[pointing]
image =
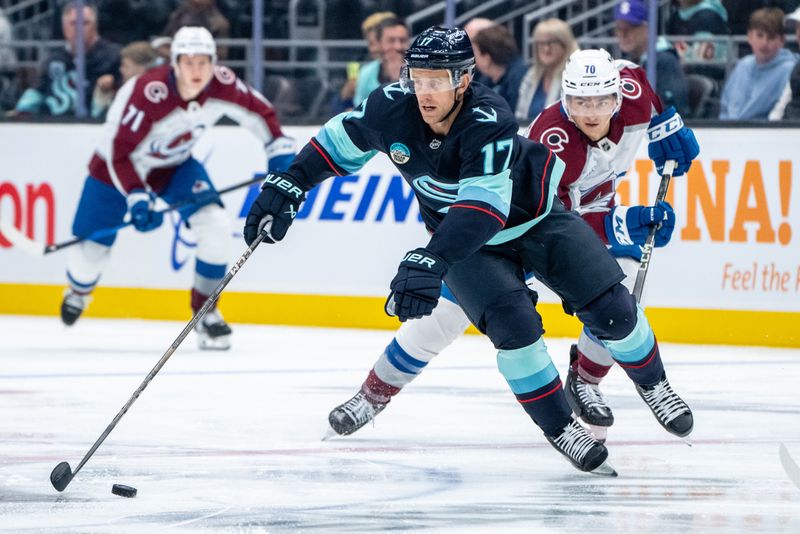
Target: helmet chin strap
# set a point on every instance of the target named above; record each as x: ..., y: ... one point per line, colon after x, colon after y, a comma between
x: 456, y: 102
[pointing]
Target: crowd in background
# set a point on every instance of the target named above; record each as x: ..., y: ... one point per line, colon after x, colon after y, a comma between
x: 691, y: 74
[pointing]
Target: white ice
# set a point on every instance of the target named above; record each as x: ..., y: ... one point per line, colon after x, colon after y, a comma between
x: 230, y: 441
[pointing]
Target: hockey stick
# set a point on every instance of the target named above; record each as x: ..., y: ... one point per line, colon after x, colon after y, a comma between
x: 62, y: 474
x: 28, y: 245
x: 647, y: 249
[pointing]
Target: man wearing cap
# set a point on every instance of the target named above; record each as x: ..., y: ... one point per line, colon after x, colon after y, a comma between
x: 631, y: 29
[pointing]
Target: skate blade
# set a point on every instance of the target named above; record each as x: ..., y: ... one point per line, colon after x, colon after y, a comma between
x: 600, y: 433
x: 604, y: 470
x: 330, y: 433
x: 219, y: 343
x: 687, y: 441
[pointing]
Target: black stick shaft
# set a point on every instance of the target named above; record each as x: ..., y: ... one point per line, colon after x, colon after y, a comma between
x: 49, y: 249
x: 175, y: 344
x: 647, y: 252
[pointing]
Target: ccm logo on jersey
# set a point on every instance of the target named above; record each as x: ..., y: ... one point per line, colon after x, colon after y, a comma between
x: 415, y: 257
x: 284, y: 184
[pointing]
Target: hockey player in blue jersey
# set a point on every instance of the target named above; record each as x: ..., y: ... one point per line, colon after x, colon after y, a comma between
x: 488, y: 198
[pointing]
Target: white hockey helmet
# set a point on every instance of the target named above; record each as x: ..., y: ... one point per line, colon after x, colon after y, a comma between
x: 193, y: 41
x: 590, y: 73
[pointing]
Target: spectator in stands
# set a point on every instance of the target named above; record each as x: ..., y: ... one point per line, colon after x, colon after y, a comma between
x: 162, y: 45
x: 553, y: 42
x: 135, y: 59
x: 369, y: 30
x: 393, y: 37
x: 788, y: 105
x: 757, y: 80
x: 701, y: 19
x: 497, y: 56
x: 630, y: 28
x: 472, y: 28
x: 55, y: 93
x: 203, y: 13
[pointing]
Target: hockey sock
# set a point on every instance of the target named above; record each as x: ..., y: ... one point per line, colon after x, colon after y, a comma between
x: 377, y: 391
x: 638, y: 354
x: 396, y: 367
x: 535, y: 383
x: 594, y: 360
x: 206, y: 278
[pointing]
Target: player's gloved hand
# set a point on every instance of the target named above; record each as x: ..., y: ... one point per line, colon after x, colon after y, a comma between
x: 627, y: 227
x: 143, y: 216
x: 417, y: 285
x: 280, y: 153
x: 670, y: 139
x: 275, y: 208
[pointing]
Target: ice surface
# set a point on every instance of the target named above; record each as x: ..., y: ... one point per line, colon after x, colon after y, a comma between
x: 230, y: 441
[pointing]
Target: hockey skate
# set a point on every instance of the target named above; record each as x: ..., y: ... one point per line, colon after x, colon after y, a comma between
x: 670, y: 410
x: 582, y: 450
x: 586, y: 400
x: 353, y: 414
x: 213, y: 333
x: 72, y: 306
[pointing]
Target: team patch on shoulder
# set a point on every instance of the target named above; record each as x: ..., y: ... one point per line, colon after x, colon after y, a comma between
x: 630, y: 88
x: 485, y: 116
x: 399, y: 153
x: 224, y: 75
x: 156, y: 91
x: 554, y: 138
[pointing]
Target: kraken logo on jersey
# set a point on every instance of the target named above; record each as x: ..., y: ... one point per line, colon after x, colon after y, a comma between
x: 436, y: 190
x: 399, y: 153
x: 486, y: 116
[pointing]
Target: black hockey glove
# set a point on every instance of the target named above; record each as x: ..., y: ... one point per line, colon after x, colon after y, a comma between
x: 417, y: 285
x: 275, y: 208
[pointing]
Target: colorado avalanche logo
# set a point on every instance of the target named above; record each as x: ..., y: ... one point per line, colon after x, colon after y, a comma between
x: 156, y: 91
x: 224, y: 75
x: 176, y: 146
x: 554, y: 138
x: 630, y: 88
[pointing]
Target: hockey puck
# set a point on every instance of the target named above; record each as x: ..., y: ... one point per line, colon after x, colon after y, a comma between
x: 123, y: 490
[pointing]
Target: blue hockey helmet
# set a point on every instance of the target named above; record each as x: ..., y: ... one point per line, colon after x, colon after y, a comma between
x: 439, y: 48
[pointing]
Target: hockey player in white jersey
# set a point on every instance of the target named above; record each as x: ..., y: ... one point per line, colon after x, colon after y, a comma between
x: 607, y: 109
x: 150, y: 130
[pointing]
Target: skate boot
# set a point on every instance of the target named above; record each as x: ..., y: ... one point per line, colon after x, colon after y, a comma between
x: 586, y: 400
x: 72, y: 306
x: 213, y: 333
x: 669, y: 409
x: 582, y: 450
x: 353, y: 414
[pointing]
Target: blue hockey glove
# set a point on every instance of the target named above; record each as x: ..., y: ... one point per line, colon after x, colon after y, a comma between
x: 280, y: 153
x: 670, y: 139
x: 143, y: 216
x: 627, y: 228
x: 274, y: 208
x: 417, y: 285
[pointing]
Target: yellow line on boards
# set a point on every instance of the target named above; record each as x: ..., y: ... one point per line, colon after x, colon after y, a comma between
x: 727, y: 327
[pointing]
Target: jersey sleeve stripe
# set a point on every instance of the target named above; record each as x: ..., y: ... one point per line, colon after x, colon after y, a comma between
x: 334, y: 139
x: 492, y: 189
x: 322, y: 153
x: 476, y: 208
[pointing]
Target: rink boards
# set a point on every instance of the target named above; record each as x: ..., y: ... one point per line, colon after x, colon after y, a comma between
x: 730, y: 275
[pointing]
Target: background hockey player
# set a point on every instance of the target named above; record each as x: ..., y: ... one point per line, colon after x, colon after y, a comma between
x: 488, y: 197
x: 605, y: 112
x: 150, y: 130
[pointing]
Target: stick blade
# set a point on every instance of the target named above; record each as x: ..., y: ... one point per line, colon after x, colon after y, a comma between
x: 20, y: 240
x: 61, y: 476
